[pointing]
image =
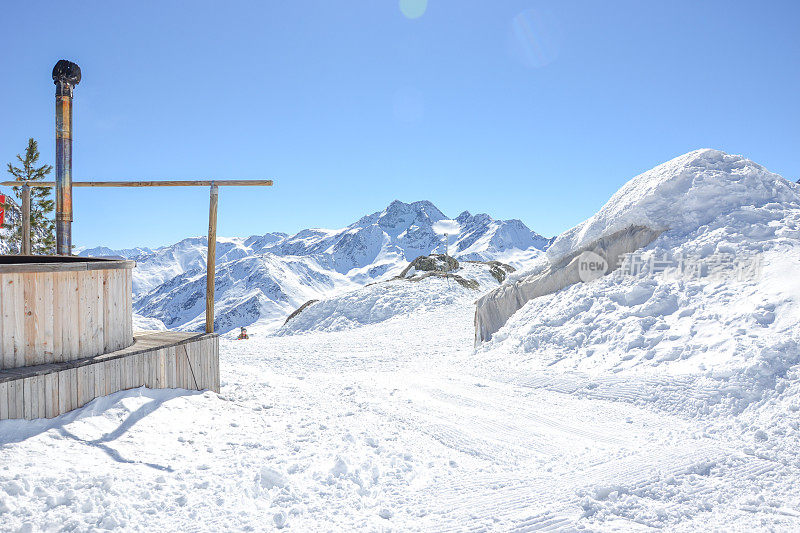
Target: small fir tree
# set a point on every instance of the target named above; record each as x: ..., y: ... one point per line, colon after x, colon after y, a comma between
x: 43, y: 240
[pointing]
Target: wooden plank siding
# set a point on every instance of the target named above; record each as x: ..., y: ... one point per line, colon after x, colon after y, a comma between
x: 155, y: 360
x: 52, y: 316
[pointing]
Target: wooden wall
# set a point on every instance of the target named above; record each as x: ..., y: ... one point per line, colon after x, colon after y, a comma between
x: 54, y: 389
x: 58, y: 315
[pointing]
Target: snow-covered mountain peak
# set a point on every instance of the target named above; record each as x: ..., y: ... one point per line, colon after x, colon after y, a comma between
x: 399, y: 216
x: 378, y: 244
x: 420, y: 207
x: 468, y: 218
x: 259, y: 242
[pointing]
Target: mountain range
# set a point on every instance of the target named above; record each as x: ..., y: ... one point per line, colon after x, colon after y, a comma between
x: 263, y: 278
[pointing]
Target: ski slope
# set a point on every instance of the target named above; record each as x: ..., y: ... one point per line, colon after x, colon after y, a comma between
x: 393, y: 426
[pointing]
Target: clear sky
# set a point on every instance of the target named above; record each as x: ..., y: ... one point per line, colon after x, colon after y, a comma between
x: 520, y: 109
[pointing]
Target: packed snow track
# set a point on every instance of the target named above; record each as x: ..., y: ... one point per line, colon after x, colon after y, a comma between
x: 393, y: 426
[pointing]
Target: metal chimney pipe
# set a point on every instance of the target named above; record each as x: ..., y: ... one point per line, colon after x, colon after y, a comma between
x: 66, y: 75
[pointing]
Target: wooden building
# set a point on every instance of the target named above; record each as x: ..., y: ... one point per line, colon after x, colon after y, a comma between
x: 66, y: 337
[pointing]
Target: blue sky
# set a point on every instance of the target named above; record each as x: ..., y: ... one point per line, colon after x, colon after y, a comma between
x: 529, y: 110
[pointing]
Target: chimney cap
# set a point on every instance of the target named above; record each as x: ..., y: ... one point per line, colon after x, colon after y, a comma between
x: 66, y: 73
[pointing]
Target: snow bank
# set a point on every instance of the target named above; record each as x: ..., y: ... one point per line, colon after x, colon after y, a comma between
x: 375, y: 303
x: 680, y: 195
x: 493, y: 309
x: 680, y: 198
x: 735, y: 317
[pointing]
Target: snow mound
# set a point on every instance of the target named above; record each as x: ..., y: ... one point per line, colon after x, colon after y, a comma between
x: 716, y: 293
x: 680, y: 195
x: 382, y: 301
x: 375, y: 303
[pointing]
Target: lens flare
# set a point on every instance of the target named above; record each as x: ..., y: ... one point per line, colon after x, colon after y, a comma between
x: 535, y: 38
x: 413, y: 9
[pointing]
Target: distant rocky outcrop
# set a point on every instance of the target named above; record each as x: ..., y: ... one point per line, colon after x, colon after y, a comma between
x: 464, y: 282
x: 299, y: 310
x: 430, y: 263
x: 497, y: 269
x: 444, y: 266
x: 436, y: 265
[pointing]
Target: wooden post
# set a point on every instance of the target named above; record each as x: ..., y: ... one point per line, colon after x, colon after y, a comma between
x: 26, y: 220
x: 211, y: 259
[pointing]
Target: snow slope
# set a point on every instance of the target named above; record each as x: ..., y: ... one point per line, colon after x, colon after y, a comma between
x: 396, y: 426
x: 375, y: 303
x: 253, y: 288
x: 156, y: 267
x: 127, y: 253
x: 381, y: 301
x: 484, y: 239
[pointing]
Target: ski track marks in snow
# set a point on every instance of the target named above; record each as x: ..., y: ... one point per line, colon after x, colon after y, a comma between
x: 391, y: 426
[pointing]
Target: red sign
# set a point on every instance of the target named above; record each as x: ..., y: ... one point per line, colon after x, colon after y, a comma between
x: 2, y: 209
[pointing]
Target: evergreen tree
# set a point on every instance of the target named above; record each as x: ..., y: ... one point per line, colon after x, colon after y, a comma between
x: 43, y: 239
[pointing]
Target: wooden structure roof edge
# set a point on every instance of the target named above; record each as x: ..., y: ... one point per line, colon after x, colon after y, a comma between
x: 107, y: 264
x: 144, y: 342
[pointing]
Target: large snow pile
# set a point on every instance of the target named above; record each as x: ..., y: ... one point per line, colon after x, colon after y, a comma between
x: 375, y: 303
x: 718, y: 292
x: 681, y: 196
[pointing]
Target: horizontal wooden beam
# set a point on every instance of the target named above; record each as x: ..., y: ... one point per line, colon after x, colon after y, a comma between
x: 170, y: 183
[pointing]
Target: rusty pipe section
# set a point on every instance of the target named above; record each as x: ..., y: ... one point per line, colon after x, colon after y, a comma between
x: 66, y: 75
